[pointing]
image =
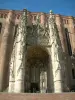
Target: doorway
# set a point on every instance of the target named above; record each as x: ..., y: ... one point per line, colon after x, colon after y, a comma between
x: 37, y: 73
x: 34, y: 87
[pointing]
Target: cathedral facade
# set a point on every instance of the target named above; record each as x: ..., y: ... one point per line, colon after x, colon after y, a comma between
x: 37, y: 52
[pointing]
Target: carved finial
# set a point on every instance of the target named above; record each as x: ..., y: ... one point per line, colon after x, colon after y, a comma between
x: 37, y: 17
x: 24, y: 9
x: 51, y: 12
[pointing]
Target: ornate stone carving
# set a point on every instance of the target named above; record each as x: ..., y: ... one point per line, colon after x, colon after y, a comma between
x: 41, y: 34
x: 20, y: 53
x: 11, y: 68
x: 57, y: 58
x: 38, y: 34
x: 18, y: 57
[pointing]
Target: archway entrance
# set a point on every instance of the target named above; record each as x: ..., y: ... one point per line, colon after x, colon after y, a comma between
x: 36, y: 71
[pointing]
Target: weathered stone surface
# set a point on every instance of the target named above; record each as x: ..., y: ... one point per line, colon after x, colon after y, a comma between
x: 5, y: 51
x: 57, y: 57
x: 37, y: 96
x: 16, y: 81
x: 37, y: 34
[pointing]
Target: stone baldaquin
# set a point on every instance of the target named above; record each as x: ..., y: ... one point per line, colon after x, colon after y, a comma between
x: 37, y: 52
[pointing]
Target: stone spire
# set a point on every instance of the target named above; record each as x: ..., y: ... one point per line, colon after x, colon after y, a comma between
x: 20, y: 53
x: 20, y: 48
x: 57, y: 59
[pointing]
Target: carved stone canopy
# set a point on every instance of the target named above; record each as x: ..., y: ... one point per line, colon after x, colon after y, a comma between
x: 36, y: 53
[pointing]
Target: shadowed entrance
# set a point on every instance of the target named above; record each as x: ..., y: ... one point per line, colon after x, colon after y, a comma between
x: 36, y: 77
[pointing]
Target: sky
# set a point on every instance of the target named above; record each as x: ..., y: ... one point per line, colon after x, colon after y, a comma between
x: 63, y: 7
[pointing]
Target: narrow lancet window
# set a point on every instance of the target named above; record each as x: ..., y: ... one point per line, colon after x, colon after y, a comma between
x: 68, y: 42
x: 16, y: 27
x: 0, y: 27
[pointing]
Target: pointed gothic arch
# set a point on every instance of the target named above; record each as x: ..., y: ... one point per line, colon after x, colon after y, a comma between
x: 37, y: 69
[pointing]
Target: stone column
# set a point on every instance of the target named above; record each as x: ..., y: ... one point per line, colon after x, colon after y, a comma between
x: 6, y: 48
x: 20, y: 54
x: 12, y: 69
x: 57, y: 59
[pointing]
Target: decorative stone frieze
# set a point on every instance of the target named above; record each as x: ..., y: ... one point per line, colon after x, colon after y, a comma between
x: 38, y: 34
